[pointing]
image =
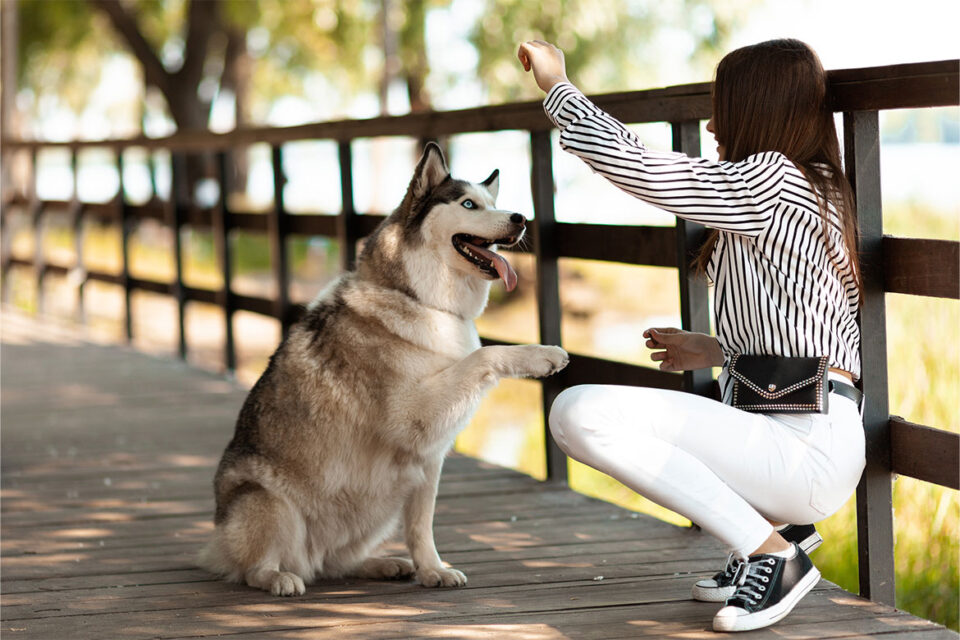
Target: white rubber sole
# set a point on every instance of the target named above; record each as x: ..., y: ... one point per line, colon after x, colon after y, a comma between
x: 810, y: 543
x: 735, y: 619
x: 705, y: 593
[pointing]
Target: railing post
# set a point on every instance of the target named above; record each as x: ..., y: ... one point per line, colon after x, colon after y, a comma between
x: 221, y: 243
x: 174, y: 215
x: 278, y: 241
x: 346, y: 221
x: 36, y: 220
x: 874, y: 494
x: 694, y: 298
x: 548, y: 285
x: 76, y: 210
x: 6, y: 244
x: 126, y: 223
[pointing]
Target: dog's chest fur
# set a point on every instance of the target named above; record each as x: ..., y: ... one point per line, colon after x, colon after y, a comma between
x: 329, y: 417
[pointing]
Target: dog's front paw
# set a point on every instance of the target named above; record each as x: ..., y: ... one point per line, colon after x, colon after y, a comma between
x: 441, y: 577
x: 287, y: 584
x: 540, y: 360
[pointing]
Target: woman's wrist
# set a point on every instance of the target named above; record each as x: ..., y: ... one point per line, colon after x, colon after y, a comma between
x: 547, y: 84
x: 717, y: 357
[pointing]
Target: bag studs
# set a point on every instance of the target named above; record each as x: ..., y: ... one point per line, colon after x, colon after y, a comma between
x: 771, y: 387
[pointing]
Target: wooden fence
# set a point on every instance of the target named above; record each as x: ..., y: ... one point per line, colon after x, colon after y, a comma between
x: 901, y: 265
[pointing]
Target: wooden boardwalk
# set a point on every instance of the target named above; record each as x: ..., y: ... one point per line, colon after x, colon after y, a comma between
x: 107, y: 461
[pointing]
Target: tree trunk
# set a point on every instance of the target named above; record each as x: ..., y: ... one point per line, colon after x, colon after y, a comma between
x: 180, y: 89
x: 416, y: 66
x: 9, y: 125
x: 237, y: 74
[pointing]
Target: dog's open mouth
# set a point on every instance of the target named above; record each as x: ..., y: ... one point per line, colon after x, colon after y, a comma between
x: 477, y: 250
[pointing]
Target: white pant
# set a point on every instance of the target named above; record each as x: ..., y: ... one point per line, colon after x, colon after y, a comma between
x: 727, y: 470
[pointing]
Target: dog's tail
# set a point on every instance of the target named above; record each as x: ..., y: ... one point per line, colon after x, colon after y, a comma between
x: 213, y: 558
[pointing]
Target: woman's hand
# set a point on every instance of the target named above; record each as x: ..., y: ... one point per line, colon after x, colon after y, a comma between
x: 545, y: 60
x: 683, y: 350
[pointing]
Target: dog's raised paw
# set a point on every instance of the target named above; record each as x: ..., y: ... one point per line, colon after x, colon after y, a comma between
x: 287, y: 584
x: 544, y: 360
x: 441, y: 577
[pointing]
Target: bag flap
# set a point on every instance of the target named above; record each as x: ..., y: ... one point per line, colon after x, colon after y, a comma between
x: 773, y: 377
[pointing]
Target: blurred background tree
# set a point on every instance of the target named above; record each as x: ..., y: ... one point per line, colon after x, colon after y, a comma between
x: 247, y: 53
x: 607, y: 46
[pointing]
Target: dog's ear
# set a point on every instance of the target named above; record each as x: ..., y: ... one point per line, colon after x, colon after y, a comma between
x: 430, y: 171
x: 493, y: 183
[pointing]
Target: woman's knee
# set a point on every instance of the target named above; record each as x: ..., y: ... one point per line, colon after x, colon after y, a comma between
x: 574, y: 420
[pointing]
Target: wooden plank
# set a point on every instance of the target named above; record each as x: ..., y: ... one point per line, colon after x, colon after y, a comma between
x: 874, y: 495
x: 221, y: 243
x: 127, y: 226
x: 902, y: 86
x: 36, y: 211
x: 174, y: 215
x: 549, y: 311
x: 921, y: 267
x: 313, y: 225
x: 654, y: 246
x: 589, y: 370
x: 931, y: 455
x: 911, y: 85
x: 278, y: 231
x: 76, y: 223
x: 694, y: 298
x: 534, y: 552
x: 346, y: 222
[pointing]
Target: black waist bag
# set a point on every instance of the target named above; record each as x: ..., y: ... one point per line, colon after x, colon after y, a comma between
x: 776, y: 384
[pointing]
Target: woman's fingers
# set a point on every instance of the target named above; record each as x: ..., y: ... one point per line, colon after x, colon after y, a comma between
x: 524, y: 56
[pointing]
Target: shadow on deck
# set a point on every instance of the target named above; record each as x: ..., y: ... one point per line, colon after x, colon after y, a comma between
x: 107, y: 460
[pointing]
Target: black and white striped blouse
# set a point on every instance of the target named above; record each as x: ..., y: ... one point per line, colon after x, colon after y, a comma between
x: 780, y: 289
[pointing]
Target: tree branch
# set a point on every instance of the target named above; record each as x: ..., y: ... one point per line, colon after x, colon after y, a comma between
x: 153, y: 71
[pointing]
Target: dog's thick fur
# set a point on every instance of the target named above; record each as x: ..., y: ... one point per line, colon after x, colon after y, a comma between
x: 346, y: 430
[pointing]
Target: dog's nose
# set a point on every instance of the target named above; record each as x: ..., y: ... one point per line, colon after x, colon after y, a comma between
x: 516, y: 218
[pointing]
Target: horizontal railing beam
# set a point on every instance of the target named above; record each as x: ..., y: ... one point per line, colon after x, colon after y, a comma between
x: 921, y: 84
x: 914, y: 266
x: 921, y: 267
x: 924, y: 453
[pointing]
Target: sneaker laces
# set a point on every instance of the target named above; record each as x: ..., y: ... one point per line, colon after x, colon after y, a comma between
x: 751, y: 579
x: 726, y: 577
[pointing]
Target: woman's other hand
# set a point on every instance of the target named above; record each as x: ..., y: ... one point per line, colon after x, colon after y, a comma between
x: 683, y: 350
x: 545, y: 60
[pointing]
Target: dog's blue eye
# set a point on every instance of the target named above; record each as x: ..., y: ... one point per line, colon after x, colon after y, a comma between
x: 469, y: 204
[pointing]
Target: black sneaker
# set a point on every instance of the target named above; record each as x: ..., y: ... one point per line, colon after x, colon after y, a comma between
x: 720, y: 586
x: 804, y: 535
x: 768, y: 588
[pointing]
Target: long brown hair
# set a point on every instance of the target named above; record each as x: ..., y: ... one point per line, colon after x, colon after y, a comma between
x: 772, y: 96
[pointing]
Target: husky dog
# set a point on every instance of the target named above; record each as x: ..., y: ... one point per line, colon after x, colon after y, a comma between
x: 346, y: 430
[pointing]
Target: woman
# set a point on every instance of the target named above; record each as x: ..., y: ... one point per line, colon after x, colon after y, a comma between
x: 782, y: 257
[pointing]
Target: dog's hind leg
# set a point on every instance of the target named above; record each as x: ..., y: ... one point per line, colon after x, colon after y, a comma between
x: 265, y: 538
x: 387, y: 568
x: 355, y: 559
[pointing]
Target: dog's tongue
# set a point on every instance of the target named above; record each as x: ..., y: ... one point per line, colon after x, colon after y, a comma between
x: 504, y: 270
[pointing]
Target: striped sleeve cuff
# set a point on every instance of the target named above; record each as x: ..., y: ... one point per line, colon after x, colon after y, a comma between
x: 565, y: 103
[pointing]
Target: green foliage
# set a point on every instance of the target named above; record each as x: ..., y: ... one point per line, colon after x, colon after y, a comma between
x: 61, y: 48
x: 606, y: 43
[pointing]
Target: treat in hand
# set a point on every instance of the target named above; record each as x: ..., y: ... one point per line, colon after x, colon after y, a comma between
x: 545, y: 60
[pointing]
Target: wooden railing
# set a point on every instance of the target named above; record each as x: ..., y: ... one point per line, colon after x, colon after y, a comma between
x: 901, y: 265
